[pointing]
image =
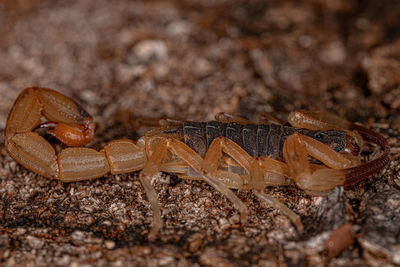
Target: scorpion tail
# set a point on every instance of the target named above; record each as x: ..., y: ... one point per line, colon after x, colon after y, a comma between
x: 356, y: 174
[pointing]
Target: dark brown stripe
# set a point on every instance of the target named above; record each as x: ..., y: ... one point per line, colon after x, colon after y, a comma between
x: 273, y: 140
x: 214, y: 129
x: 249, y: 134
x: 195, y: 137
x: 234, y: 132
x: 262, y: 133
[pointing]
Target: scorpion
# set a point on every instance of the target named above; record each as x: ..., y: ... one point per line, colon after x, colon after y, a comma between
x: 317, y: 152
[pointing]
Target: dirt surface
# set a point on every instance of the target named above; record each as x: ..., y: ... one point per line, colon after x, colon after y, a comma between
x: 189, y: 60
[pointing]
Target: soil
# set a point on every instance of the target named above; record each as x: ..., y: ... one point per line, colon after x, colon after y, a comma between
x: 188, y: 59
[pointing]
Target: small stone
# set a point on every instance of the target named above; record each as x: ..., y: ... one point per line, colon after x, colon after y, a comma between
x: 77, y: 237
x: 34, y: 242
x: 64, y: 260
x: 396, y: 255
x: 148, y: 49
x: 109, y: 244
x: 195, y: 242
x: 4, y: 240
x: 212, y: 258
x: 179, y: 28
x: 334, y: 53
x: 20, y: 231
x: 168, y: 260
x: 106, y: 223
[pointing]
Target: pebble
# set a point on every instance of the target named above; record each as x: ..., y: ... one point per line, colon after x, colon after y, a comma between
x: 147, y: 49
x: 334, y: 53
x: 77, y: 237
x: 109, y: 244
x: 20, y: 231
x: 34, y: 242
x: 179, y: 28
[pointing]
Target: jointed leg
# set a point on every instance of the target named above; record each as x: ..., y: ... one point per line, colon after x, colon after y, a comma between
x: 150, y: 169
x: 156, y: 122
x: 296, y: 150
x: 317, y: 120
x: 273, y: 202
x: 265, y: 118
x: 208, y: 169
x: 256, y: 168
x: 154, y: 164
x: 275, y: 172
x: 196, y: 162
x: 228, y: 118
x: 223, y: 144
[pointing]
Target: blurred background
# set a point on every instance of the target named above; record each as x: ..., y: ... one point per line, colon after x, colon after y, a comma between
x: 189, y: 59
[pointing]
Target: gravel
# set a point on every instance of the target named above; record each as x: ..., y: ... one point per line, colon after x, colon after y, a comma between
x: 190, y: 60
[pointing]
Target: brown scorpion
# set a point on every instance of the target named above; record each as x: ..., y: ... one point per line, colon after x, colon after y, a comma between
x: 318, y: 152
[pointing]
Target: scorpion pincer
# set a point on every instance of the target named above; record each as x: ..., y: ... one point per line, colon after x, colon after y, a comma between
x: 318, y: 152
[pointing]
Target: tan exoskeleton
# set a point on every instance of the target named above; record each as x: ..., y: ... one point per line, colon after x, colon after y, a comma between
x: 317, y: 152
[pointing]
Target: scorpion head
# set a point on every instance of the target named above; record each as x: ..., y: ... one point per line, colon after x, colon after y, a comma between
x: 340, y: 141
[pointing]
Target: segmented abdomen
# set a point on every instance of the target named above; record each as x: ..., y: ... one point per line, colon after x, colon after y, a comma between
x: 257, y: 140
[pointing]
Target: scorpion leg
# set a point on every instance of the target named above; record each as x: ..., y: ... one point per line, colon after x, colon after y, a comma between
x: 257, y: 168
x: 156, y: 122
x: 317, y: 120
x: 151, y: 168
x: 154, y: 164
x: 228, y: 179
x: 228, y: 118
x: 275, y: 171
x: 196, y: 162
x: 266, y: 118
x: 296, y: 150
x: 326, y: 121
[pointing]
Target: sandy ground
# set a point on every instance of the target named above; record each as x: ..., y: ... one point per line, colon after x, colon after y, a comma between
x: 189, y: 60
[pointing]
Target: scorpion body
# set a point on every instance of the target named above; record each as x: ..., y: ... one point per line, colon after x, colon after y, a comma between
x: 317, y: 152
x: 258, y: 140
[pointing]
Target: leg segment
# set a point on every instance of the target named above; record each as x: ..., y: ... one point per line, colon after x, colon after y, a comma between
x: 326, y: 121
x: 223, y: 144
x: 150, y: 169
x: 296, y: 150
x: 275, y: 172
x: 228, y: 118
x: 274, y: 203
x: 156, y: 122
x: 265, y: 118
x: 257, y: 168
x: 194, y: 160
x: 317, y: 121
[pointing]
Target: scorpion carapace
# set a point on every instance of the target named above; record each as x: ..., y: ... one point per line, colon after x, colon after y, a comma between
x: 317, y: 152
